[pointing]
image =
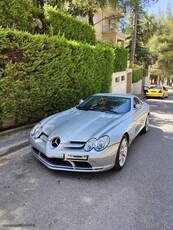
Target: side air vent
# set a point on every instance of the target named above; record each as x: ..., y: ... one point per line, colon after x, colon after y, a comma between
x: 55, y: 142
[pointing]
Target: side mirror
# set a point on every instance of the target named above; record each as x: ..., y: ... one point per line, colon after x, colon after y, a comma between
x: 81, y: 100
x: 137, y: 106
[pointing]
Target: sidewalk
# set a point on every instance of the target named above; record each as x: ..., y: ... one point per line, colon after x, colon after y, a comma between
x: 15, y: 139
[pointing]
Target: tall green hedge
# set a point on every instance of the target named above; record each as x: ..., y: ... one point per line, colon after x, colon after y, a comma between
x: 120, y: 55
x: 40, y: 75
x: 60, y: 23
x: 137, y: 74
x: 17, y: 14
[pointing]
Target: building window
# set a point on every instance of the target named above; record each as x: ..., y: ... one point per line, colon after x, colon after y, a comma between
x: 122, y: 78
x: 117, y: 79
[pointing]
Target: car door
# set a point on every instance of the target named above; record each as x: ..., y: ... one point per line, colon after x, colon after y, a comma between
x: 138, y: 117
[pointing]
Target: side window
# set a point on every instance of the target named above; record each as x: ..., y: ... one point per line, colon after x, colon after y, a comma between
x: 164, y: 88
x: 136, y: 101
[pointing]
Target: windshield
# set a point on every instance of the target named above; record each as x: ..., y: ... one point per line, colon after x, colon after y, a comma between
x: 156, y: 87
x: 106, y: 104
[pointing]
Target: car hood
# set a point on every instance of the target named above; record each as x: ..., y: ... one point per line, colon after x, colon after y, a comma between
x: 79, y: 125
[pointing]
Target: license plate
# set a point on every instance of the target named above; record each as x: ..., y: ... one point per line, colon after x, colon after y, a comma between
x: 75, y: 157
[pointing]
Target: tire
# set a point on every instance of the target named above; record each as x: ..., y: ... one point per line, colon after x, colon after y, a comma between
x: 146, y: 127
x: 121, y: 154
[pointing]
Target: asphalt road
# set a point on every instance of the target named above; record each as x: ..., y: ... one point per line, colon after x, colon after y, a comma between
x: 140, y: 197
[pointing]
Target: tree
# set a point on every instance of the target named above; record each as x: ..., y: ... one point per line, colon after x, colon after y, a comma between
x: 136, y: 6
x: 89, y: 8
x: 59, y: 3
x: 161, y: 47
x: 142, y: 54
x: 149, y: 26
x: 134, y: 31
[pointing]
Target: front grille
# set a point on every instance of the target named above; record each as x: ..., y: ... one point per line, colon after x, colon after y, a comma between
x: 75, y: 144
x: 55, y: 161
x: 82, y: 164
x: 35, y: 150
x: 44, y: 137
x: 61, y: 162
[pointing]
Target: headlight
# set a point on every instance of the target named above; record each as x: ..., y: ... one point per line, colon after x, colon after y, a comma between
x: 98, y: 145
x: 37, y: 130
x: 101, y: 143
x: 90, y: 144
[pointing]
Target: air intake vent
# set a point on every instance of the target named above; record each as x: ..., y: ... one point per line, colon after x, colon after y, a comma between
x: 55, y: 142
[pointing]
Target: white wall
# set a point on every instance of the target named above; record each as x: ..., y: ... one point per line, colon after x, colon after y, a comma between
x: 137, y: 87
x: 119, y: 82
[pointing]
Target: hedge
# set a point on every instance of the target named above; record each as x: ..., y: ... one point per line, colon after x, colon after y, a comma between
x: 17, y: 14
x: 120, y: 55
x: 137, y: 74
x: 40, y: 75
x: 61, y: 23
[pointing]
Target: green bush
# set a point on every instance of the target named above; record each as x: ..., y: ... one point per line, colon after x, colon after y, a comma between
x: 61, y: 23
x: 40, y: 75
x: 17, y: 14
x: 137, y: 74
x: 120, y: 55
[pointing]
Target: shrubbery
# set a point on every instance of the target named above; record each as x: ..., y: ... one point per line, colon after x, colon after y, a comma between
x: 120, y: 55
x: 40, y: 75
x: 137, y: 74
x: 61, y: 23
x: 17, y: 14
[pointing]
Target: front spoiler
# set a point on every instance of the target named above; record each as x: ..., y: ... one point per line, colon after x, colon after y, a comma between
x: 70, y: 168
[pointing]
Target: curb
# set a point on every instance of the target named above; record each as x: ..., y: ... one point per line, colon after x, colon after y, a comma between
x: 13, y: 148
x: 16, y: 129
x: 16, y: 142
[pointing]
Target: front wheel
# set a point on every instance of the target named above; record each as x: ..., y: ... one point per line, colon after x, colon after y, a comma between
x: 122, y: 154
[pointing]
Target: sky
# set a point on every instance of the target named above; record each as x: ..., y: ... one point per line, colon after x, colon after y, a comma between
x: 161, y: 6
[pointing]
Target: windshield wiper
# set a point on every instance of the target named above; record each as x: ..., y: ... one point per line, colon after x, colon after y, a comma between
x: 86, y: 108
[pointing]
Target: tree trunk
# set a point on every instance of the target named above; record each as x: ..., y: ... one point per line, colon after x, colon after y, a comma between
x: 133, y: 45
x: 91, y: 19
x: 90, y: 15
x: 70, y: 2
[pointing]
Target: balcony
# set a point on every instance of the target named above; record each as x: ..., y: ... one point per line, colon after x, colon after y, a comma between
x: 108, y: 27
x: 114, y: 36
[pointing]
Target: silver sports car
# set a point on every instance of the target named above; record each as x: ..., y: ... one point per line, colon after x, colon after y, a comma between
x: 91, y: 137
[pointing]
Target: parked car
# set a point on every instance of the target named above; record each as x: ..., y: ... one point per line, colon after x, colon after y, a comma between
x: 157, y: 91
x: 91, y: 137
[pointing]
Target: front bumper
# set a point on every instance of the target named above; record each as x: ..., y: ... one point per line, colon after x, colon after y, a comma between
x: 56, y: 160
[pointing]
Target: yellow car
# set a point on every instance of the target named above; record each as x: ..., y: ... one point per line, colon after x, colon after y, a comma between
x: 157, y: 91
